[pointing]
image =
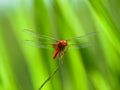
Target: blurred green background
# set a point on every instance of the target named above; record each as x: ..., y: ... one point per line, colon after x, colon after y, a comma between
x: 23, y: 67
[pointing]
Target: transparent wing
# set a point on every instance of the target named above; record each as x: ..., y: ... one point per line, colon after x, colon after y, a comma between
x: 83, y: 37
x: 40, y: 36
x: 81, y: 45
x: 39, y: 44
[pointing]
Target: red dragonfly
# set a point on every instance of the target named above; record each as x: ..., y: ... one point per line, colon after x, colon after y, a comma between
x: 60, y: 46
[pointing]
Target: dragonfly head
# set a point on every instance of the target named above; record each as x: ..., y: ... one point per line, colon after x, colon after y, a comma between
x: 63, y: 43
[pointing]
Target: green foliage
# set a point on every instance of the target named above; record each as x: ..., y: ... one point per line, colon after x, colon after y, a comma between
x: 24, y: 67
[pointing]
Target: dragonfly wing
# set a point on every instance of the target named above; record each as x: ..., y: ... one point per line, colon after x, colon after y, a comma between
x: 82, y: 45
x: 83, y: 37
x: 39, y: 45
x: 39, y: 36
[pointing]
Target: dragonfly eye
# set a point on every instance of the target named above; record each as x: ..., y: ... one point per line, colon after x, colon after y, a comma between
x: 64, y: 43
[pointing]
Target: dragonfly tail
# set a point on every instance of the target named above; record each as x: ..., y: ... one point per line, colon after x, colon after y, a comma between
x: 56, y: 54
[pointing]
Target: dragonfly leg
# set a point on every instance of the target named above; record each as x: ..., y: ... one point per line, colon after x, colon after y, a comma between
x: 62, y: 53
x: 60, y: 58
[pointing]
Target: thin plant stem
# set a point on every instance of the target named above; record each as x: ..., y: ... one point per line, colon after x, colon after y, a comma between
x: 54, y: 72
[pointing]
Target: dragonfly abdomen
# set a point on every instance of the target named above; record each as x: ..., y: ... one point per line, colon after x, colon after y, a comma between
x: 56, y: 53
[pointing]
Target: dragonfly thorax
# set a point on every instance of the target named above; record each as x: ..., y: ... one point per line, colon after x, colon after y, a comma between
x: 62, y: 44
